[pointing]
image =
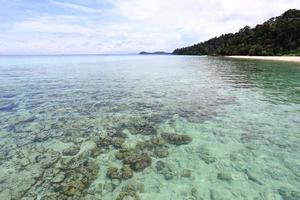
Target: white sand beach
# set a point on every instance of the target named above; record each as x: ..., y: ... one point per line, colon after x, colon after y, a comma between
x: 276, y: 58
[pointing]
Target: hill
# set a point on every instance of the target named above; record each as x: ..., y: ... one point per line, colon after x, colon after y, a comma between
x: 154, y: 53
x: 277, y: 36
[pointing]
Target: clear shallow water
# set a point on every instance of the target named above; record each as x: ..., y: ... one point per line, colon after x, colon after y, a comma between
x: 64, y: 120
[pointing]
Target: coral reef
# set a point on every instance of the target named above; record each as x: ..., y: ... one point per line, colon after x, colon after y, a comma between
x: 157, y: 140
x: 78, y: 179
x: 176, y: 139
x: 104, y: 142
x: 142, y: 127
x: 118, y: 142
x: 128, y: 195
x: 145, y: 146
x: 113, y: 173
x: 71, y: 151
x: 126, y: 172
x: 138, y: 162
x: 161, y: 152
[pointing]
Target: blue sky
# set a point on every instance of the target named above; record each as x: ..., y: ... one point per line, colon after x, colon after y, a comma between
x: 124, y: 26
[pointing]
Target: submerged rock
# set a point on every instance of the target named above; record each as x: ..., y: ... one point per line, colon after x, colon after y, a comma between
x: 206, y: 156
x: 186, y: 173
x: 117, y: 132
x: 288, y: 194
x: 252, y: 177
x: 138, y: 162
x: 224, y: 176
x: 158, y: 140
x: 194, y: 192
x: 95, y: 152
x: 164, y: 169
x: 123, y: 153
x: 47, y: 159
x: 118, y: 142
x: 177, y: 139
x: 40, y: 137
x: 73, y: 186
x: 71, y: 151
x: 161, y: 152
x: 126, y: 172
x: 144, y: 145
x: 113, y: 173
x: 77, y: 180
x: 143, y: 128
x: 103, y: 142
x: 58, y: 178
x: 129, y: 195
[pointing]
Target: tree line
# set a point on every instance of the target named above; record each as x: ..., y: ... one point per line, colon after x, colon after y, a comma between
x: 275, y: 37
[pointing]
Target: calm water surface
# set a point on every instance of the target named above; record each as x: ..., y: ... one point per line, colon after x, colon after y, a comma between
x: 148, y: 127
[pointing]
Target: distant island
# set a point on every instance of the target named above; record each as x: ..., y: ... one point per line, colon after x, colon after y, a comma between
x: 276, y: 37
x: 154, y: 53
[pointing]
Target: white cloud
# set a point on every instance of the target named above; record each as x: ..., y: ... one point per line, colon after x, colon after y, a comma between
x: 76, y: 7
x: 201, y: 16
x: 136, y: 25
x: 50, y: 27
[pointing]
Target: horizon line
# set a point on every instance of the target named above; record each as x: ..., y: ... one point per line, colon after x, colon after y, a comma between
x: 81, y: 54
x: 61, y: 54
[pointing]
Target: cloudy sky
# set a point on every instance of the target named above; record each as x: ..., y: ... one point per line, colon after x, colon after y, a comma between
x: 124, y: 26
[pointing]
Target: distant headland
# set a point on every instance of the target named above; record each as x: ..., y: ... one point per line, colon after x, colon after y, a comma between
x: 154, y: 53
x: 279, y: 36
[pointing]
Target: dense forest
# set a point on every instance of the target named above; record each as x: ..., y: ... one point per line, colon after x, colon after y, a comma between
x: 277, y: 36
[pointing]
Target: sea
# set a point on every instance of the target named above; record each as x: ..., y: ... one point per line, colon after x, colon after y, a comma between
x: 132, y: 127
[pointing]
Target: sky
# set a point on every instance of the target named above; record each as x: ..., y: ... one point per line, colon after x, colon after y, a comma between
x: 124, y: 26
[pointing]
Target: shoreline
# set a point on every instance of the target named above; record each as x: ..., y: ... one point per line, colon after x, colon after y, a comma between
x: 273, y: 58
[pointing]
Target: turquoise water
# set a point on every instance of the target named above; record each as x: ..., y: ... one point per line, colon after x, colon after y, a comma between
x: 148, y: 127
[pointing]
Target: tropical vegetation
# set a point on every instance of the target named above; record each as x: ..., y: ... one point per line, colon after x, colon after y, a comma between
x: 277, y: 36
